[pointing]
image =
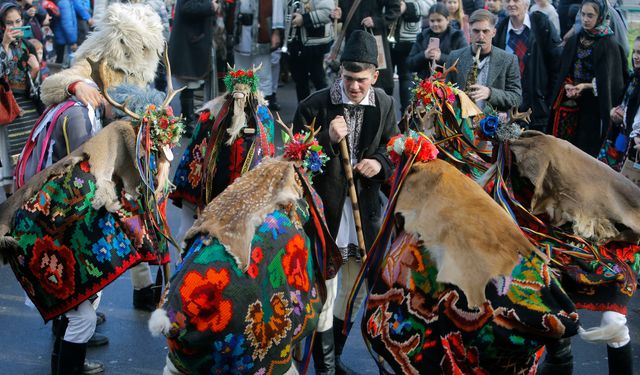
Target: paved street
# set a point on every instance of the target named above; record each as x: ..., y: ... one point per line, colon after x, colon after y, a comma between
x: 25, y: 342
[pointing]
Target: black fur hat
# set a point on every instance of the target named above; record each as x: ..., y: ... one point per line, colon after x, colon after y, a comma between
x: 361, y: 47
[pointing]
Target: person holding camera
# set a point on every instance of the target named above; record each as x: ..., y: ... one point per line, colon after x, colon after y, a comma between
x: 435, y: 42
x: 19, y: 67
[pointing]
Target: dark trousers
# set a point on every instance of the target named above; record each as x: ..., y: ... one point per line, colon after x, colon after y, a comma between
x: 308, y: 65
x: 399, y: 55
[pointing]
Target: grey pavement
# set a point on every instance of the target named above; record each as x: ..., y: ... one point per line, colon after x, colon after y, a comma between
x: 25, y: 342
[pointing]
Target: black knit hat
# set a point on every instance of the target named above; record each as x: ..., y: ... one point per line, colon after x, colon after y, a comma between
x: 361, y: 47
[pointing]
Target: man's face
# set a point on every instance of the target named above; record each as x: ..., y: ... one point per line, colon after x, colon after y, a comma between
x: 357, y: 85
x: 493, y: 6
x: 516, y: 8
x: 481, y: 34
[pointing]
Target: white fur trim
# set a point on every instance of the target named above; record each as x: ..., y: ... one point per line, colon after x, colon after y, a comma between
x: 613, y: 330
x: 159, y: 323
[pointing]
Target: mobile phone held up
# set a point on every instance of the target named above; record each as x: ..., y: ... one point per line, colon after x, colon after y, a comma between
x: 26, y: 31
x: 434, y: 43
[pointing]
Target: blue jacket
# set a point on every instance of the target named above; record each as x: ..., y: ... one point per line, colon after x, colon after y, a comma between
x: 65, y: 27
x: 83, y: 9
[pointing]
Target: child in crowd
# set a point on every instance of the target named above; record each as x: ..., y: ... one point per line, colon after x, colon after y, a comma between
x: 457, y: 18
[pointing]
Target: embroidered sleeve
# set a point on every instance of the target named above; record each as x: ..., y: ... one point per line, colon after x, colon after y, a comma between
x: 4, y: 63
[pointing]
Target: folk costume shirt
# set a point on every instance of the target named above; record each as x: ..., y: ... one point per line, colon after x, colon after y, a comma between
x: 353, y: 115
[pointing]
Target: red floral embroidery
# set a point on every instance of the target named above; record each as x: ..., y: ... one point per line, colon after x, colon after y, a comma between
x: 54, y: 267
x: 195, y: 167
x: 628, y: 254
x: 294, y: 263
x: 458, y: 359
x: 253, y: 270
x: 203, y: 302
x: 256, y: 254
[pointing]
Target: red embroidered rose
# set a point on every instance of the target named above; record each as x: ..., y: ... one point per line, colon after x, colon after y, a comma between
x: 256, y: 254
x: 203, y: 302
x: 252, y: 271
x: 54, y: 267
x: 294, y: 263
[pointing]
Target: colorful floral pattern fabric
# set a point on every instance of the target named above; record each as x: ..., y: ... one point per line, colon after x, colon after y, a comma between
x: 228, y: 320
x: 421, y: 326
x: 69, y: 250
x: 229, y: 161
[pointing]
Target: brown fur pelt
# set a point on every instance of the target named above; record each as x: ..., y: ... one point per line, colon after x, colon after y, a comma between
x: 470, y: 237
x: 129, y: 39
x: 233, y: 216
x: 111, y: 155
x: 572, y: 186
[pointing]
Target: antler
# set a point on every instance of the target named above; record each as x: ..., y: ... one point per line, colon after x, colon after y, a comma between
x: 171, y: 93
x: 312, y: 131
x: 288, y: 129
x: 97, y: 72
x: 256, y: 68
x: 434, y: 65
x: 514, y: 115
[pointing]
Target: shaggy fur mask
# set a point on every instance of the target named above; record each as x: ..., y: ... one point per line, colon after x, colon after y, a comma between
x: 129, y: 38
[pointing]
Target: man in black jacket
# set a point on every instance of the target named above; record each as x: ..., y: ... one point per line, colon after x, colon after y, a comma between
x: 350, y: 108
x: 536, y: 43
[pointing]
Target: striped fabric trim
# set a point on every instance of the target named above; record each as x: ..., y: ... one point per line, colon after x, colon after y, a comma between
x: 20, y: 128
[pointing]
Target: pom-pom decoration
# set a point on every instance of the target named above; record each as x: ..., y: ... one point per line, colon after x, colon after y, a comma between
x: 409, y: 144
x: 433, y: 91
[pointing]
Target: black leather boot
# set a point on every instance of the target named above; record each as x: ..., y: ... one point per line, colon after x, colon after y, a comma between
x: 559, y: 359
x: 146, y: 298
x: 273, y: 102
x: 68, y: 358
x: 323, y: 353
x: 340, y: 340
x: 188, y: 111
x: 620, y: 360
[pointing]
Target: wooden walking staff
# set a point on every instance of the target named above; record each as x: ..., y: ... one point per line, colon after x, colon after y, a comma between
x: 346, y: 163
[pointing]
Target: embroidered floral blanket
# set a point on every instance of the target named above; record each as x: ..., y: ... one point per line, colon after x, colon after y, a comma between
x: 226, y: 320
x: 225, y: 162
x: 421, y: 326
x: 68, y: 250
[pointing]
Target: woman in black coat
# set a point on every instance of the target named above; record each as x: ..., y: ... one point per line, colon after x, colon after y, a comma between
x: 592, y: 79
x: 190, y: 46
x: 421, y: 56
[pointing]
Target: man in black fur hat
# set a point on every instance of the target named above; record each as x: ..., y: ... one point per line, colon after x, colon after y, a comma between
x: 365, y: 115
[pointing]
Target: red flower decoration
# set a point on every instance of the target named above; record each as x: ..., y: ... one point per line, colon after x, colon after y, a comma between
x: 295, y: 151
x: 84, y: 165
x: 203, y: 302
x: 164, y: 123
x: 54, y: 267
x: 250, y: 73
x: 204, y: 116
x: 294, y: 263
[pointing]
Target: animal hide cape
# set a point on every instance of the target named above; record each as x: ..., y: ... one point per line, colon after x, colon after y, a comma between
x: 233, y: 216
x: 471, y: 238
x: 572, y: 186
x: 77, y: 225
